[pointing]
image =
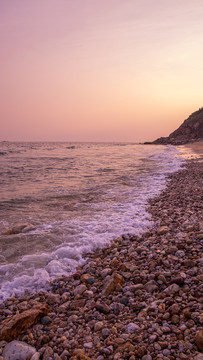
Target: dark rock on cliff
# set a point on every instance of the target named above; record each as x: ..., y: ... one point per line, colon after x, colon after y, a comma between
x: 191, y: 130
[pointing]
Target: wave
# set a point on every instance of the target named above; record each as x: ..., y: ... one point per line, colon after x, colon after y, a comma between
x: 73, y: 217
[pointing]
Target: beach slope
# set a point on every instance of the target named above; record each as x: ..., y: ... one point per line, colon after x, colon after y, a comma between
x: 137, y: 299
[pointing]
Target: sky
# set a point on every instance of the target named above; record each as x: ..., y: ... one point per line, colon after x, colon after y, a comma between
x: 98, y: 70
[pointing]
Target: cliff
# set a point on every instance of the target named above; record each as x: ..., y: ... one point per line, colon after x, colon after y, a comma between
x: 191, y: 130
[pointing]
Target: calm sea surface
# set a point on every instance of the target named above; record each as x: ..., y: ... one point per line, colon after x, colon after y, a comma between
x: 60, y: 200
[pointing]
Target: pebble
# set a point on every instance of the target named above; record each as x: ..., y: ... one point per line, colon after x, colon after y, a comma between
x: 79, y: 289
x: 105, y: 332
x: 162, y: 230
x: 133, y: 328
x: 18, y: 350
x: 166, y: 352
x: 53, y: 299
x: 47, y: 353
x: 98, y: 326
x: 152, y: 338
x: 147, y: 357
x: 88, y: 345
x: 198, y: 357
x: 172, y: 289
x: 199, y: 340
x: 137, y: 299
x: 45, y: 320
x: 124, y: 301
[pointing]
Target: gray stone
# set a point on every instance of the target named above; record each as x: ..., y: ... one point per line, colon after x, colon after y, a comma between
x: 79, y: 289
x: 152, y: 338
x: 106, y: 272
x: 88, y: 345
x: 180, y: 253
x: 45, y: 320
x: 48, y: 353
x: 105, y: 333
x: 57, y: 357
x: 116, y: 308
x: 124, y: 301
x: 151, y: 286
x: 64, y: 355
x: 166, y: 352
x: 172, y: 289
x: 147, y: 357
x: 35, y: 356
x: 132, y: 328
x: 18, y: 350
x: 98, y: 325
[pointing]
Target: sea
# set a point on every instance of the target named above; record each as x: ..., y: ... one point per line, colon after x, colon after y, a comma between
x: 61, y: 200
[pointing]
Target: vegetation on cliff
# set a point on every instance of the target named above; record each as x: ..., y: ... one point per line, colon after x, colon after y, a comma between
x: 191, y: 130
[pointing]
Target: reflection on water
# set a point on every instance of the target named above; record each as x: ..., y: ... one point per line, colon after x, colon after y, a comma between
x: 59, y: 200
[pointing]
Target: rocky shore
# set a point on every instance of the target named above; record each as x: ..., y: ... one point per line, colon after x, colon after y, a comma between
x: 140, y: 298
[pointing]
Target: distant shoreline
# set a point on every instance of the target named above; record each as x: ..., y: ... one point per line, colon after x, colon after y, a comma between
x: 196, y: 146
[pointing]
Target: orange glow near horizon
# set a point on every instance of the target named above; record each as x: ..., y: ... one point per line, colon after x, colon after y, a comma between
x: 110, y: 70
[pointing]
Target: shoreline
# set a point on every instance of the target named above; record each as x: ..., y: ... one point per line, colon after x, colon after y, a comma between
x: 196, y: 147
x: 136, y: 299
x: 109, y: 204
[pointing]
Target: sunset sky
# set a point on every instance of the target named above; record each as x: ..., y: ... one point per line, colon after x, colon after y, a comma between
x: 99, y: 70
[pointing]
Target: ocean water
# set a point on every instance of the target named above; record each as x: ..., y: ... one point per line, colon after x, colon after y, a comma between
x: 59, y: 201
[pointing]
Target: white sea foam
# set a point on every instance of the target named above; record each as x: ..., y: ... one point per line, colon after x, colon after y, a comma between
x: 120, y: 209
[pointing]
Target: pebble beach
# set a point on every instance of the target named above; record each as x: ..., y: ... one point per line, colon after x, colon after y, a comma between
x: 140, y: 298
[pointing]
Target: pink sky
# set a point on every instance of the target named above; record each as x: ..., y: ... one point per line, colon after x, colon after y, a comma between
x: 98, y: 70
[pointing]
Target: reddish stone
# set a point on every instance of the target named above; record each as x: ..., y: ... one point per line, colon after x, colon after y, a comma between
x: 17, y: 324
x: 199, y: 340
x: 112, y: 283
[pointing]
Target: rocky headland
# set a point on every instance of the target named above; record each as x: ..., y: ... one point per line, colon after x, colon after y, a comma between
x: 191, y: 130
x: 140, y: 298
